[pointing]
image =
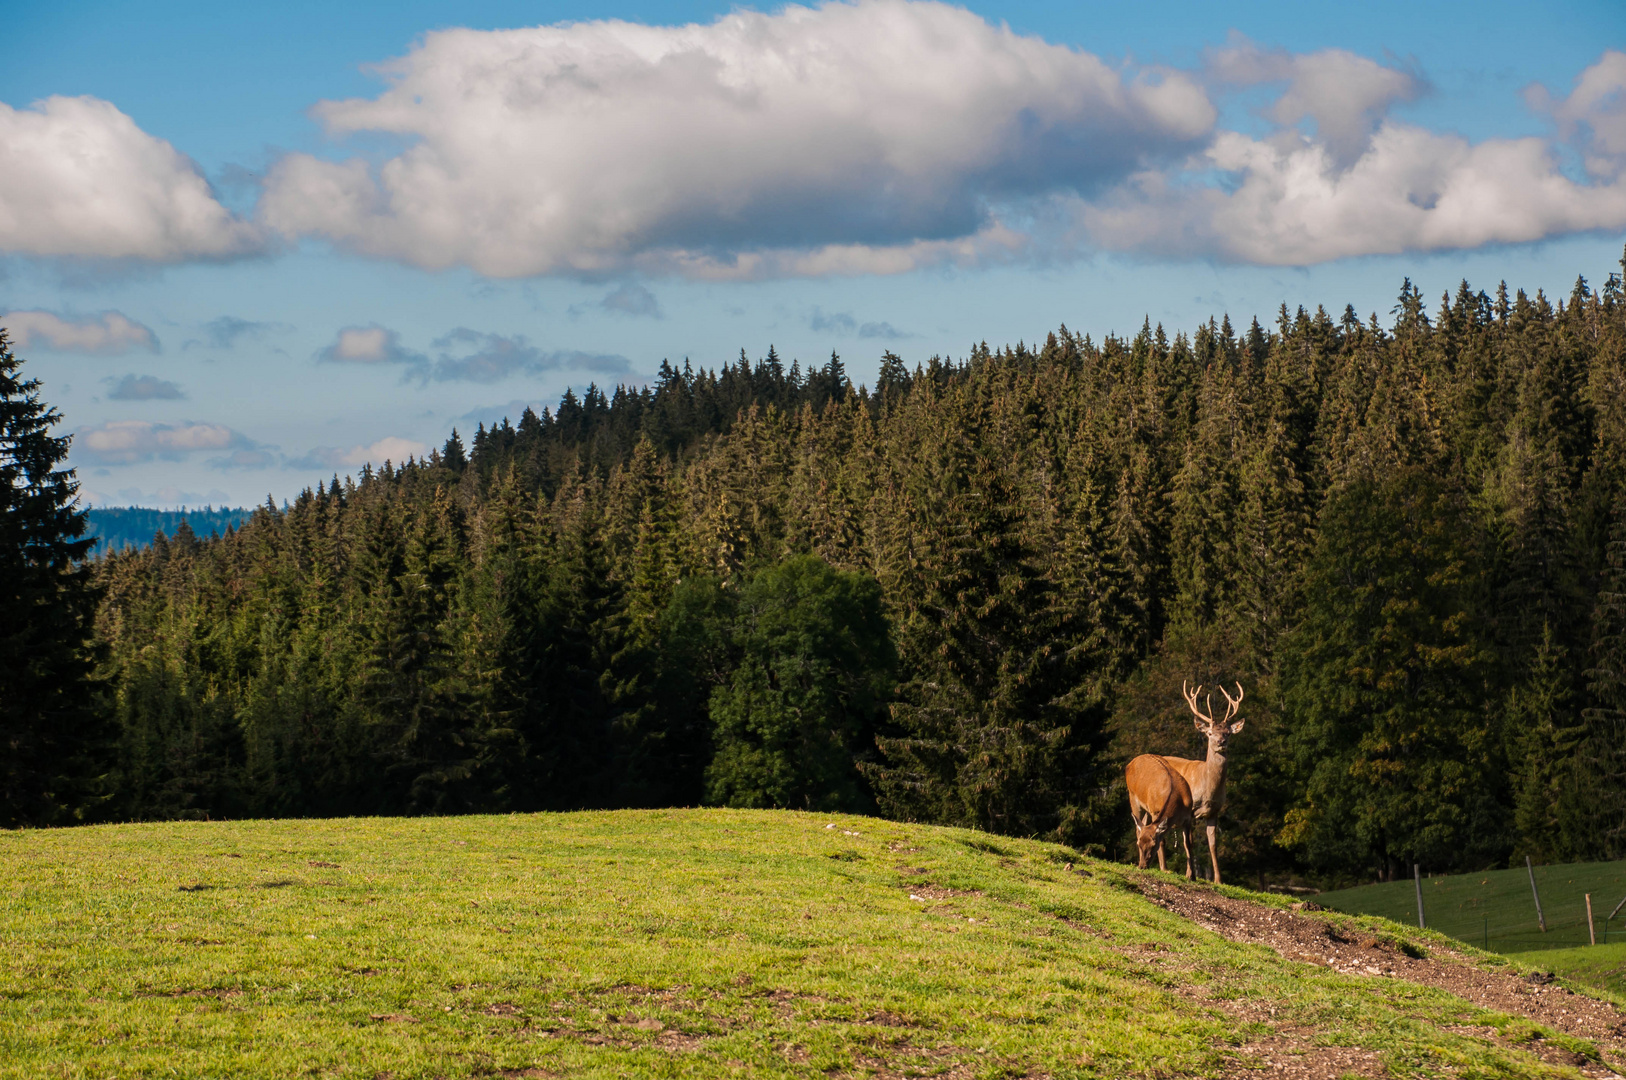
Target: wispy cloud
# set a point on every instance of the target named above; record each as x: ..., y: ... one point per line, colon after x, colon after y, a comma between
x: 473, y: 356
x: 246, y: 458
x: 843, y: 324
x: 885, y: 331
x: 226, y: 331
x: 164, y: 496
x: 107, y: 334
x: 835, y: 322
x: 632, y: 299
x: 1593, y: 116
x: 392, y: 448
x: 143, y: 388
x: 127, y: 442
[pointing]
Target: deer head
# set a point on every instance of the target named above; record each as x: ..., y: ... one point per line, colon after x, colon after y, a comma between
x: 1219, y: 732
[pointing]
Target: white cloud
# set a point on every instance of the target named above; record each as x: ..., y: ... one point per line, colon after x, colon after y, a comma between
x: 1412, y: 190
x: 392, y: 448
x: 109, y: 333
x: 368, y: 345
x: 1345, y: 95
x: 125, y: 442
x: 868, y: 137
x: 79, y: 178
x: 1597, y: 107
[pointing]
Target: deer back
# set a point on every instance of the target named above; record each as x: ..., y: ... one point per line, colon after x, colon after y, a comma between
x: 1159, y: 792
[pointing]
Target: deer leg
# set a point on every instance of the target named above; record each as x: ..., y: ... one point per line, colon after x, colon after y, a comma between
x: 1185, y: 838
x: 1161, y: 864
x: 1213, y: 851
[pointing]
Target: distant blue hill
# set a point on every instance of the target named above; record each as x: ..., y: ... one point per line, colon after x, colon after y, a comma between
x: 119, y: 527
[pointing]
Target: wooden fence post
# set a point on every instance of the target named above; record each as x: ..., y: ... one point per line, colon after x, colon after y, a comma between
x: 1591, y: 931
x: 1541, y: 920
x: 1417, y: 877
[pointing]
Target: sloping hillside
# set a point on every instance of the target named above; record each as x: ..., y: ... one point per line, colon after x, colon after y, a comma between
x: 716, y: 943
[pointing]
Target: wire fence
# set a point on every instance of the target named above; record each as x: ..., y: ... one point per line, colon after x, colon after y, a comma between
x: 1496, y: 909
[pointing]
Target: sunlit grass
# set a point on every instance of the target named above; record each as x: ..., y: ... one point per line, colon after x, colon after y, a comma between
x: 640, y: 944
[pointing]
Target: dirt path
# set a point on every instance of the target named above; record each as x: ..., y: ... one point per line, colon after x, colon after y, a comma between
x: 1323, y: 942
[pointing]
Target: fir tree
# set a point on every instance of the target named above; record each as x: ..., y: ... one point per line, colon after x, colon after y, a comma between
x: 50, y: 723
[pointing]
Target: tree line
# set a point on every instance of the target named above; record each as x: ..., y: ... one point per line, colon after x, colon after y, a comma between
x: 966, y: 596
x: 115, y: 527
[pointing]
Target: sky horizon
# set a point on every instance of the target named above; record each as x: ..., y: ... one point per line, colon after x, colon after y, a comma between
x: 247, y: 250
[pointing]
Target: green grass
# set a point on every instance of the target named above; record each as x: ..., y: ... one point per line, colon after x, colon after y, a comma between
x: 1497, y: 904
x: 647, y: 944
x: 1602, y: 965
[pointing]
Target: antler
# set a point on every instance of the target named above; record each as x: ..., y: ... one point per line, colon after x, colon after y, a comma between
x: 1191, y: 699
x: 1232, y: 704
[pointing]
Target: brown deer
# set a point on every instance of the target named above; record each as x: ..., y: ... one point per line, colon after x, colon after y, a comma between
x: 1207, y: 777
x: 1159, y: 800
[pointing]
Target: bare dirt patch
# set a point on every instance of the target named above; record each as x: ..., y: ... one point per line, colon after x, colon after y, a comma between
x: 1338, y: 944
x: 211, y: 992
x: 938, y: 892
x: 1296, y: 1056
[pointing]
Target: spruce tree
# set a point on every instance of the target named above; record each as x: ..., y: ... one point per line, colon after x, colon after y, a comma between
x: 49, y: 724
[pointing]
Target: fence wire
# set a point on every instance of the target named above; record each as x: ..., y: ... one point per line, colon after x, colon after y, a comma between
x: 1495, y: 910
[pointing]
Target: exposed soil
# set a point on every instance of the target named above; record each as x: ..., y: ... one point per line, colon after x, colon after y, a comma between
x: 1336, y: 943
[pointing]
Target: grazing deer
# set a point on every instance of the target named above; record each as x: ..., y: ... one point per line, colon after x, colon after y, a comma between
x: 1207, y: 777
x: 1159, y: 800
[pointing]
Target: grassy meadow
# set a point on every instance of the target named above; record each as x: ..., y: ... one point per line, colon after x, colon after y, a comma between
x: 1495, y: 910
x: 684, y: 943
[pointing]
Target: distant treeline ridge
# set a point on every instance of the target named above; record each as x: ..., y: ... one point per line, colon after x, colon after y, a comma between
x: 117, y: 527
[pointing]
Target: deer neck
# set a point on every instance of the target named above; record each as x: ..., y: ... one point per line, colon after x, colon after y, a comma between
x: 1212, y: 781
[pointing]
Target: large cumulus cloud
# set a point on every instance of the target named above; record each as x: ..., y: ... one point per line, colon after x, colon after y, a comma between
x: 79, y: 178
x: 849, y: 137
x: 1363, y: 182
x: 864, y: 137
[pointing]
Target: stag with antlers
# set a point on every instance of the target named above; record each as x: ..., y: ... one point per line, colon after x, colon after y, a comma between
x: 1207, y: 777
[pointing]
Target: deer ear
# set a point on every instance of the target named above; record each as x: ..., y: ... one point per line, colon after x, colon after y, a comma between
x: 1236, y: 727
x: 1197, y: 722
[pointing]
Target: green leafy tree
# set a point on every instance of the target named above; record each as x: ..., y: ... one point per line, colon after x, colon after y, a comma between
x: 815, y: 666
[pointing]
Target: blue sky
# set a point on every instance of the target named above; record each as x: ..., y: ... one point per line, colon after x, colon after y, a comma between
x: 231, y: 289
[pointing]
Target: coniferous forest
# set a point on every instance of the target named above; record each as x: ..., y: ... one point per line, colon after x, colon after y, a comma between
x: 966, y: 595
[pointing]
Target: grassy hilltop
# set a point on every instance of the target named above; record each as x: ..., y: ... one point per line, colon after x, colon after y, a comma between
x: 660, y: 944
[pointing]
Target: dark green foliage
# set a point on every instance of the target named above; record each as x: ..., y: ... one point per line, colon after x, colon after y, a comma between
x: 51, y: 733
x: 815, y: 667
x: 1386, y: 679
